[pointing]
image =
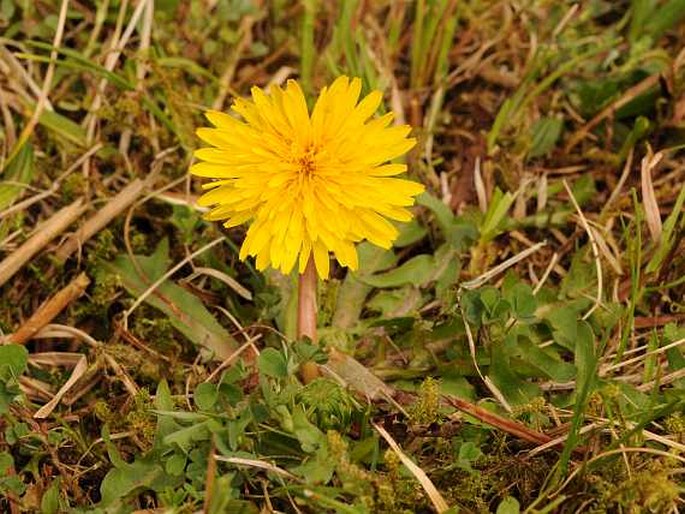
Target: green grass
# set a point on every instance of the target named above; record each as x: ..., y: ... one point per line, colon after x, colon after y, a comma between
x: 466, y: 344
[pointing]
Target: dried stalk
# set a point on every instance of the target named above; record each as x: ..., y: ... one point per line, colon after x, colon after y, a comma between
x: 50, y: 309
x: 115, y: 206
x: 45, y: 233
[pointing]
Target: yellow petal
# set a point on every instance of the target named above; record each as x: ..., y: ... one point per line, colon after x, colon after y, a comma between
x: 321, y: 259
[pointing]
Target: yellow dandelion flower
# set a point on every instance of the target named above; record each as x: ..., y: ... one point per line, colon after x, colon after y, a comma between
x: 310, y: 184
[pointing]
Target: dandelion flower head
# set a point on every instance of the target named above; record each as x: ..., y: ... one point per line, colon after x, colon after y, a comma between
x: 310, y: 184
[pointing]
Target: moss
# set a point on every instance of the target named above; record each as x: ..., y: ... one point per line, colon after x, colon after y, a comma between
x: 675, y: 425
x: 425, y: 410
x: 646, y: 492
x: 140, y: 419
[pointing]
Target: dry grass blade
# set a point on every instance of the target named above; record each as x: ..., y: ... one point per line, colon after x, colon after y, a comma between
x: 595, y: 251
x: 66, y: 359
x: 76, y: 374
x: 116, y: 48
x: 490, y: 274
x: 50, y: 309
x: 351, y: 372
x: 53, y: 330
x: 652, y: 216
x: 435, y: 497
x: 223, y: 277
x: 226, y: 79
x: 259, y: 464
x: 45, y: 233
x: 486, y: 380
x: 167, y: 275
x: 12, y: 68
x: 28, y: 202
x: 47, y: 83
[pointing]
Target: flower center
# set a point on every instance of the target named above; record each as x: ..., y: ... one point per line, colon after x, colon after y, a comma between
x: 307, y: 162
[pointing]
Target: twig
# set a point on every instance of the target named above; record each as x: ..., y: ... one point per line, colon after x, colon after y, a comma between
x: 121, y: 373
x: 629, y: 95
x: 45, y: 233
x: 115, y: 206
x: 507, y: 425
x: 50, y: 309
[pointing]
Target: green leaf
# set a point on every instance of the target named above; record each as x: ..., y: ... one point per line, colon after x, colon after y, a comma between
x: 665, y: 16
x: 122, y: 482
x: 186, y: 438
x: 584, y: 189
x: 13, y: 361
x: 317, y: 469
x: 175, y: 464
x: 675, y: 357
x: 185, y: 310
x: 64, y: 127
x: 416, y: 271
x: 545, y: 134
x: 522, y: 301
x: 9, y: 484
x: 272, y: 363
x: 458, y: 231
x: 515, y: 389
x: 509, y: 505
x: 546, y: 362
x: 353, y: 291
x: 456, y: 385
x: 443, y: 214
x: 49, y: 503
x: 309, y: 436
x: 564, y: 326
x: 7, y: 9
x: 205, y: 395
x: 410, y: 233
x: 17, y: 176
x: 468, y: 453
x: 393, y: 302
x: 496, y: 308
x: 586, y: 377
x: 495, y: 215
x: 163, y: 402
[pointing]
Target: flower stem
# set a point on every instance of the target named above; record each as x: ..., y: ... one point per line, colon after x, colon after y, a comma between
x: 306, y: 315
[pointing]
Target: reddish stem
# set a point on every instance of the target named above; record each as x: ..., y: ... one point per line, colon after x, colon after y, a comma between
x: 306, y: 315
